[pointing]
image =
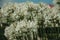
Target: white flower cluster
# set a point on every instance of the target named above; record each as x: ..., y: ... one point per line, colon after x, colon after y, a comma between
x: 12, y: 12
x: 21, y: 28
x: 26, y: 18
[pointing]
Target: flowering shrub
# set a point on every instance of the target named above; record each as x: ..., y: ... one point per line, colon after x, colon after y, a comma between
x: 24, y: 19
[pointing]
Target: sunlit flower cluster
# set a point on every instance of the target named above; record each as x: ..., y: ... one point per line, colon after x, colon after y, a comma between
x: 24, y: 19
x: 20, y: 29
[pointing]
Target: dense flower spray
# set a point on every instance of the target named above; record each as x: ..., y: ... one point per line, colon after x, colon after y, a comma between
x: 22, y: 20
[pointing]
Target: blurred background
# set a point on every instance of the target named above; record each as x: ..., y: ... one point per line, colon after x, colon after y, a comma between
x: 19, y: 1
